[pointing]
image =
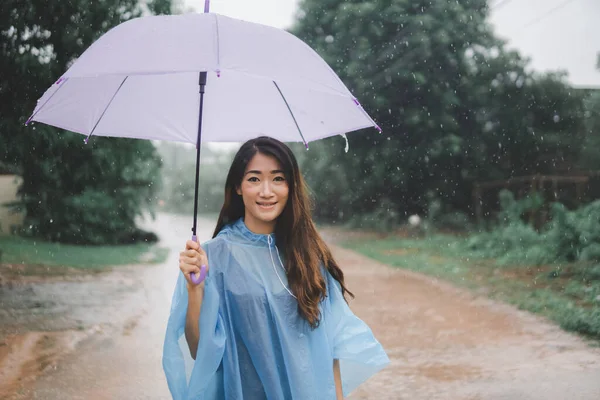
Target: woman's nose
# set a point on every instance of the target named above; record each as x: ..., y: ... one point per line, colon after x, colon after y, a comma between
x: 266, y: 189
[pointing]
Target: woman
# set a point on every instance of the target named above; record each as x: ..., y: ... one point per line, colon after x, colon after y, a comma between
x: 270, y: 321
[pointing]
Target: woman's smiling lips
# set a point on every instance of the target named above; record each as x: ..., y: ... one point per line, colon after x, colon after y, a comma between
x: 266, y: 206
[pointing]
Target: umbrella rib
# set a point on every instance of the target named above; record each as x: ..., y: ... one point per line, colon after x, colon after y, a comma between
x: 106, y: 108
x: 291, y: 113
x: 63, y: 81
x: 218, y: 45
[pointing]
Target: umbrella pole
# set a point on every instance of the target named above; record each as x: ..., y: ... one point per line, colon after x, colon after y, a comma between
x: 202, y: 83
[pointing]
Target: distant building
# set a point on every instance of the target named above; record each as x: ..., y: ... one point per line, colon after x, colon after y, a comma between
x: 8, y: 194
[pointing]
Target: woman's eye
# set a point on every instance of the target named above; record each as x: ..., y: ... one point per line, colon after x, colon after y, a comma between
x: 253, y: 179
x: 279, y: 179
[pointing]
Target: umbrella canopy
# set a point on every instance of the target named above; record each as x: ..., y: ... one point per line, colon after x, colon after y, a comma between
x: 141, y: 79
x: 146, y: 79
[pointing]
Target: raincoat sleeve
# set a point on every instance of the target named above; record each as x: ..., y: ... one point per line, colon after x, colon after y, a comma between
x: 202, y: 378
x: 353, y: 344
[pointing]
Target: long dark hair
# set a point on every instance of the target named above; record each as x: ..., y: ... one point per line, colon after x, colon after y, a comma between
x: 303, y: 247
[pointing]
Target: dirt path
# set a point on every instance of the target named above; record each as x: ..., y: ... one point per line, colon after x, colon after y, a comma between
x: 444, y: 343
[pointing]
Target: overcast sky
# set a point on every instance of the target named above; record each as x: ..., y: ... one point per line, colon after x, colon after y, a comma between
x: 555, y: 34
x: 277, y: 13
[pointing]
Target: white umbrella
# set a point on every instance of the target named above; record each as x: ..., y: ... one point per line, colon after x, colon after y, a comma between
x: 146, y: 79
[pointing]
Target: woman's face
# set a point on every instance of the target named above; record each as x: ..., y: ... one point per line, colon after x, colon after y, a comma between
x: 264, y: 190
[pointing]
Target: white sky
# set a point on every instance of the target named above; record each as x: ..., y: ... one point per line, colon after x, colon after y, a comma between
x: 277, y: 13
x: 555, y: 34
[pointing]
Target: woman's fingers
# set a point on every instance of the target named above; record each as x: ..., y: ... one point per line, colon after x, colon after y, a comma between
x: 194, y: 255
x: 190, y: 244
x: 191, y: 253
x: 192, y: 259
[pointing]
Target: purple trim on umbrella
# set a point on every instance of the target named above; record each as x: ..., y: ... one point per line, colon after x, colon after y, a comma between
x: 358, y: 104
x: 206, y: 5
x: 218, y: 73
x: 86, y: 140
x: 59, y: 81
x: 306, y: 145
x: 47, y: 100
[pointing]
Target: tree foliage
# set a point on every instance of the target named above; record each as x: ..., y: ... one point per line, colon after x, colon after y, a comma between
x: 71, y: 192
x: 591, y: 148
x: 455, y: 106
x: 179, y: 175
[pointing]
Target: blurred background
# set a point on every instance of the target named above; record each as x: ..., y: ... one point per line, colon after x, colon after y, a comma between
x: 486, y: 175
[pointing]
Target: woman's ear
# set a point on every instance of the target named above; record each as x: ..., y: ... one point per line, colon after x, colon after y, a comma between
x: 238, y: 190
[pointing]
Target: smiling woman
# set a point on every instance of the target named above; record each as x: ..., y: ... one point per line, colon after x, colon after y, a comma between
x: 271, y: 319
x: 264, y: 190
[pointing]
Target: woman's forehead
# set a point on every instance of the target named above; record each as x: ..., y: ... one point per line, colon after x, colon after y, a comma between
x: 263, y: 163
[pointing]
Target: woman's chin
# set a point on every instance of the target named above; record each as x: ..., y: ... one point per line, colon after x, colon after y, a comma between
x: 267, y: 215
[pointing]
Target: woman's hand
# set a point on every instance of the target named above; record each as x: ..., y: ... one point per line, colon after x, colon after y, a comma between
x: 337, y: 377
x: 190, y: 260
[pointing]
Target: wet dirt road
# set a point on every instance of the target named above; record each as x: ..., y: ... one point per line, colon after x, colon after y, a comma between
x: 121, y: 317
x: 444, y: 343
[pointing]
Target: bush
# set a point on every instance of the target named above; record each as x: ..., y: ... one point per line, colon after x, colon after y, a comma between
x: 575, y: 235
x: 441, y: 217
x: 383, y: 218
x: 570, y: 236
x: 585, y: 321
x: 87, y: 194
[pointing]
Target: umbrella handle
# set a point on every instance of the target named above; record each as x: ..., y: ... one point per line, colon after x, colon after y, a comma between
x: 198, y: 279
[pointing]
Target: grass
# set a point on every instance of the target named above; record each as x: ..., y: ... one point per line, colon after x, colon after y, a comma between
x: 18, y: 250
x: 565, y: 294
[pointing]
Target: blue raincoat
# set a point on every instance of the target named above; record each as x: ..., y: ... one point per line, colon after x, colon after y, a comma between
x: 253, y: 343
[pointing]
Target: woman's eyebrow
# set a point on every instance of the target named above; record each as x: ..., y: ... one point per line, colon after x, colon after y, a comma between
x: 275, y: 171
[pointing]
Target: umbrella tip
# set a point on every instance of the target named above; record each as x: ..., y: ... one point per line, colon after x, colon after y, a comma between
x: 306, y: 145
x: 378, y: 128
x: 86, y: 140
x: 356, y: 102
x: 218, y: 73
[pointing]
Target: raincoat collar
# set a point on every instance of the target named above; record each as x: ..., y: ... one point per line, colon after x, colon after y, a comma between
x: 240, y: 230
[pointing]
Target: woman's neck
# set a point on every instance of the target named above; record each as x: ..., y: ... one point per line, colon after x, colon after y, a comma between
x: 259, y: 227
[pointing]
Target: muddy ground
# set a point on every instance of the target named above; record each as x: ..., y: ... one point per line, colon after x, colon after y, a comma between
x: 78, y: 336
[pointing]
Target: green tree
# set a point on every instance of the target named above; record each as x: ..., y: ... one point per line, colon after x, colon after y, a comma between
x: 455, y: 107
x: 590, y: 158
x: 179, y: 176
x: 71, y: 192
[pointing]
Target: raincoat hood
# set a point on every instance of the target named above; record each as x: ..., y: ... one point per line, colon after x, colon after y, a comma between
x: 238, y: 232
